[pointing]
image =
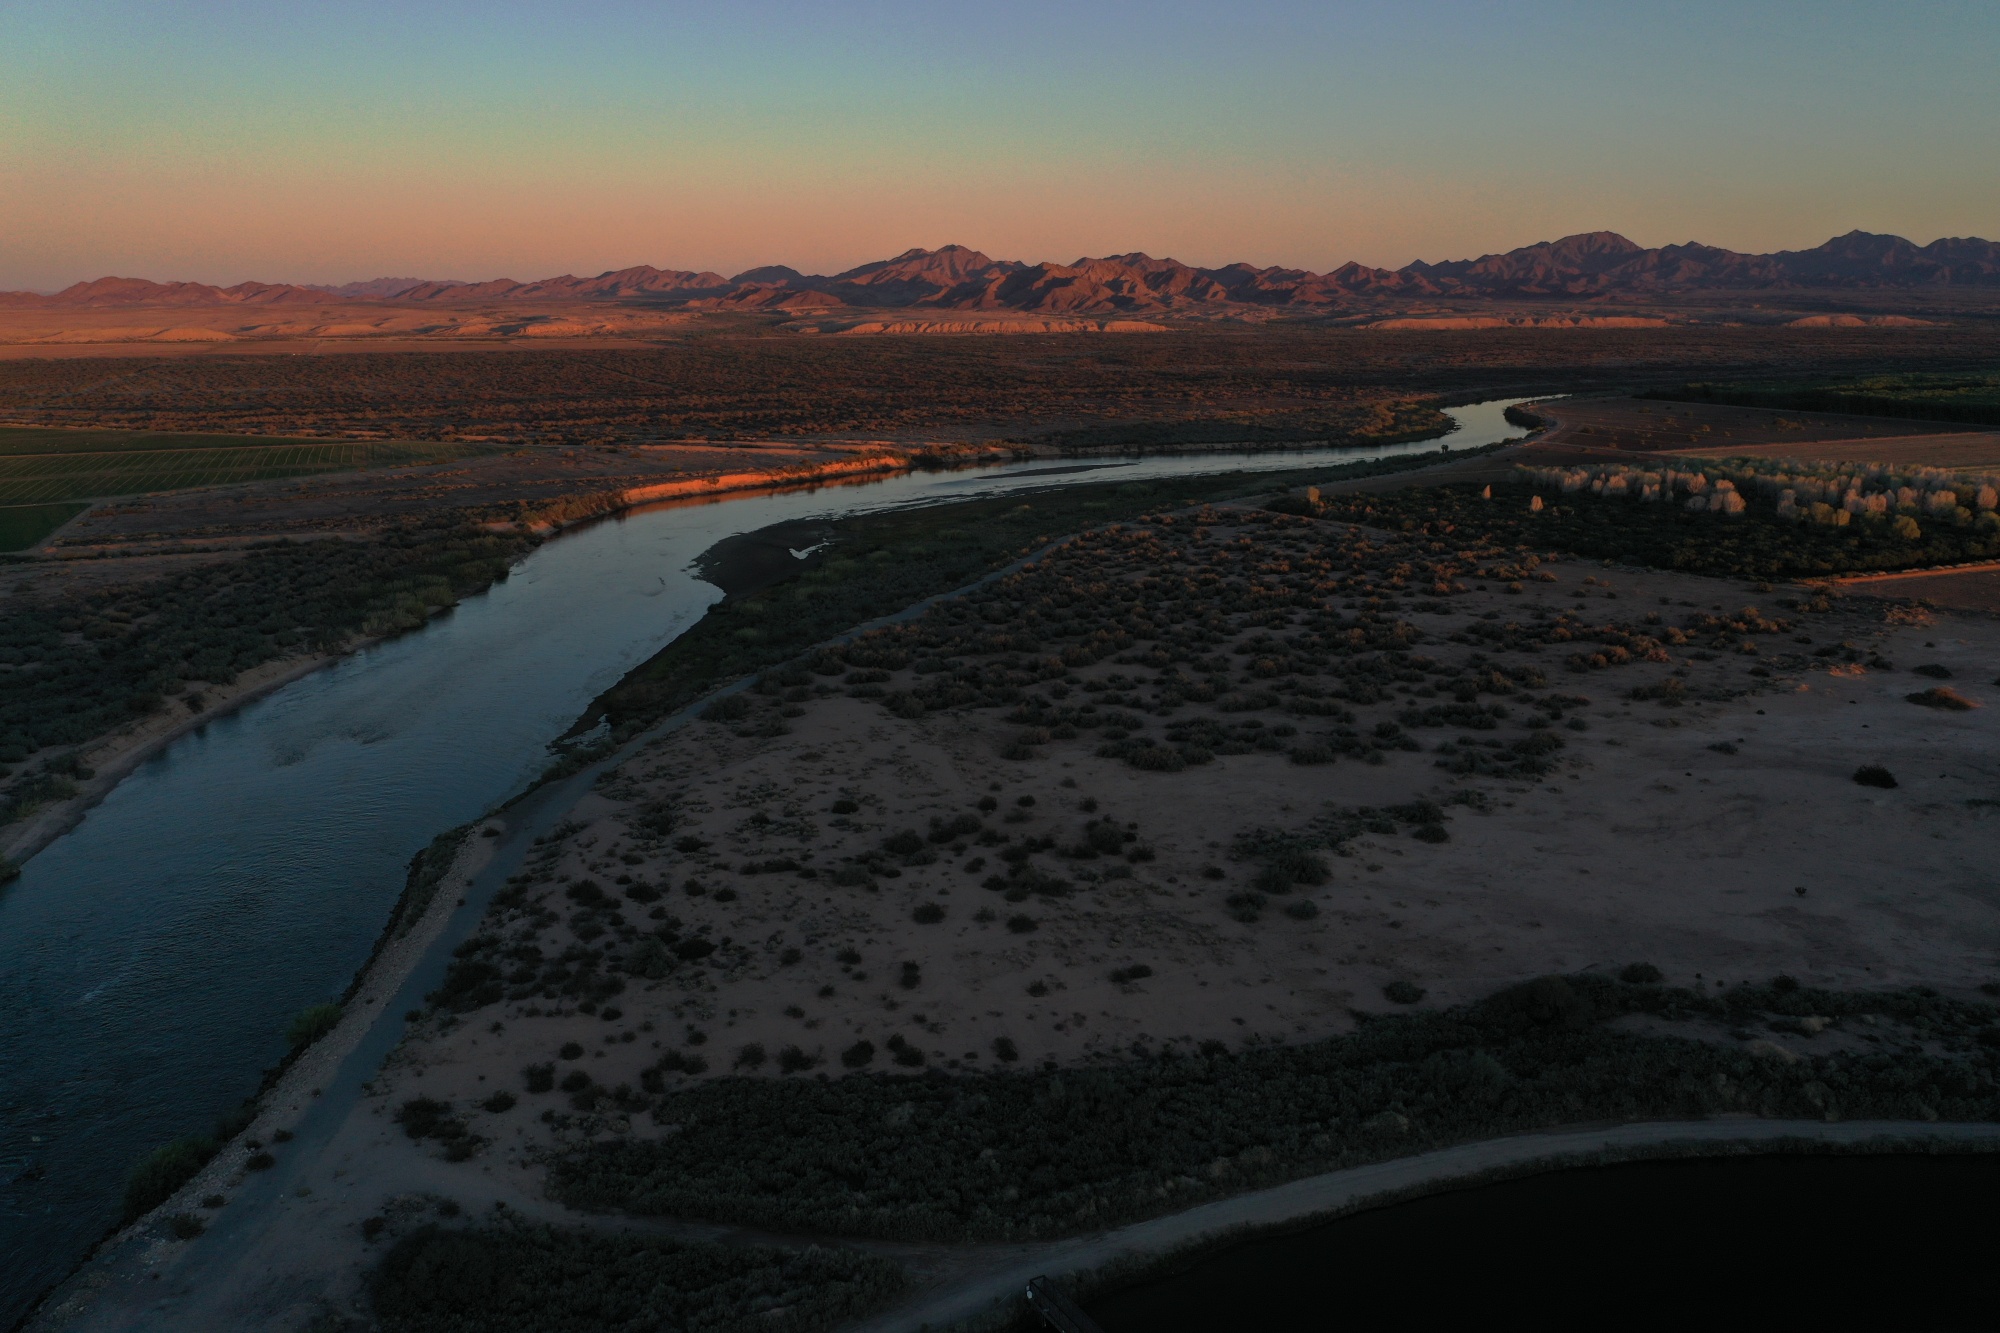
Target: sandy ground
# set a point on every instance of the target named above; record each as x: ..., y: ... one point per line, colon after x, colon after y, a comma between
x: 1646, y: 844
x: 1723, y: 839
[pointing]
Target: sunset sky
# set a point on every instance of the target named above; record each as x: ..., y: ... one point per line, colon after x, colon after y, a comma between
x: 330, y: 141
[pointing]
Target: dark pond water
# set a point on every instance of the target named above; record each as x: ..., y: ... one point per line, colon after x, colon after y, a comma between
x: 150, y: 960
x: 1890, y: 1242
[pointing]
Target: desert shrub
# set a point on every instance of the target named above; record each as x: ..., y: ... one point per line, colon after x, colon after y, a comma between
x: 910, y: 976
x: 259, y: 1161
x: 928, y: 914
x: 1087, y: 1148
x: 729, y: 708
x: 538, y: 1279
x: 1005, y: 1050
x: 576, y: 1080
x: 1272, y: 880
x: 857, y: 1055
x: 498, y: 1102
x: 958, y: 826
x: 1156, y: 759
x: 1543, y: 1002
x: 843, y: 806
x: 750, y: 1056
x: 1305, y: 909
x: 1022, y: 924
x: 904, y: 1053
x: 1246, y: 907
x: 1402, y: 992
x: 185, y: 1226
x: 311, y: 1024
x: 1944, y: 697
x: 163, y: 1171
x: 793, y: 1060
x: 1641, y: 974
x: 1126, y: 975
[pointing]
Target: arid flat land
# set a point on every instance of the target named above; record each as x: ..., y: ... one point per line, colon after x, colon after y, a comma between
x: 1059, y: 820
x: 1222, y: 385
x: 348, y: 322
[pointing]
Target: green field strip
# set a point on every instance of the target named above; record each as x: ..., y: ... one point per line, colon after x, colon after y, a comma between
x: 31, y: 472
x: 21, y: 526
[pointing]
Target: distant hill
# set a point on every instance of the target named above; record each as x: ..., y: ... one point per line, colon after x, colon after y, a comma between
x: 1595, y: 264
x: 381, y: 288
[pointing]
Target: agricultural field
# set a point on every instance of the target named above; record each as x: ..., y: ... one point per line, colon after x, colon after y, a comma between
x: 41, y: 466
x: 1973, y: 397
x: 22, y: 526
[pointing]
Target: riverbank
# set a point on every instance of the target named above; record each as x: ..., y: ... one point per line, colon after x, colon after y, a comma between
x: 113, y: 758
x: 385, y: 973
x: 359, y: 1166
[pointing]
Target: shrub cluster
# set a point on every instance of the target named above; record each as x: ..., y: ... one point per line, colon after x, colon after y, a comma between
x: 1014, y: 1156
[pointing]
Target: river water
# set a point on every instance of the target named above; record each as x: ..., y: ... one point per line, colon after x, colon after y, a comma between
x: 151, y: 958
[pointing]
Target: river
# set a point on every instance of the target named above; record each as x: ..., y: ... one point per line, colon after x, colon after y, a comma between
x: 151, y: 958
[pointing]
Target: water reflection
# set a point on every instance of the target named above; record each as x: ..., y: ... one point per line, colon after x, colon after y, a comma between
x: 150, y: 959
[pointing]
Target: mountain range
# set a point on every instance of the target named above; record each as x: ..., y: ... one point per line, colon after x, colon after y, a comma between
x: 1590, y: 265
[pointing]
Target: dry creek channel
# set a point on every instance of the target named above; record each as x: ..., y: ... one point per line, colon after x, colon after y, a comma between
x: 151, y: 957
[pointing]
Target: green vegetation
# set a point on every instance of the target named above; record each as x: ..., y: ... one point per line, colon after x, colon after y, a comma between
x: 312, y: 1023
x: 40, y: 466
x: 1929, y: 397
x: 884, y: 563
x: 427, y: 870
x: 1015, y: 1156
x: 21, y: 526
x: 72, y: 672
x: 1753, y: 544
x: 518, y: 1278
x: 163, y: 1171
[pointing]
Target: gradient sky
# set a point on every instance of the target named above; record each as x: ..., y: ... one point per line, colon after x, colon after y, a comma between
x: 304, y: 141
